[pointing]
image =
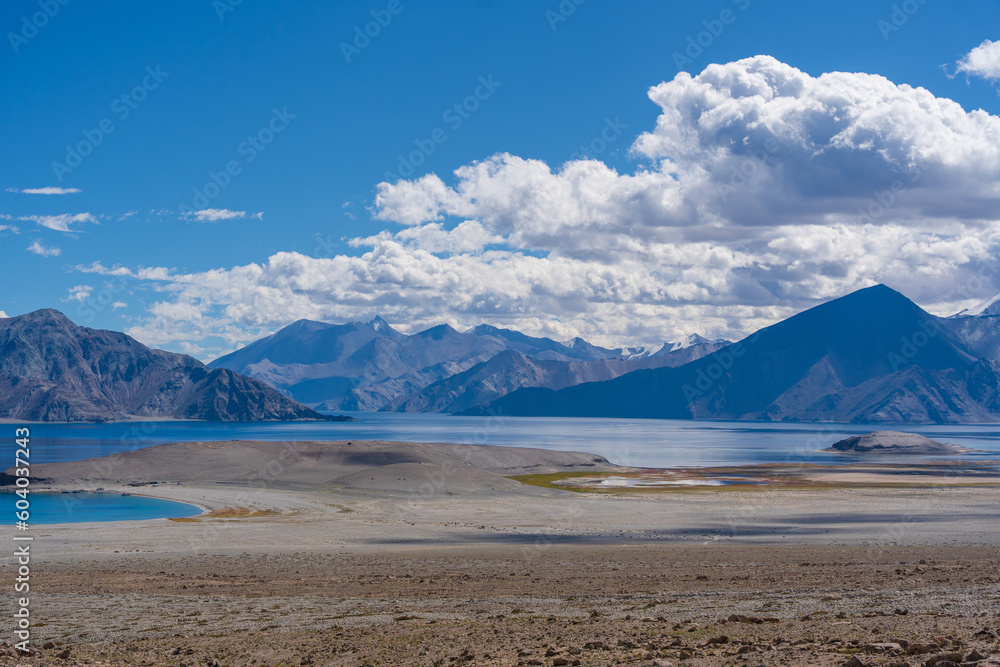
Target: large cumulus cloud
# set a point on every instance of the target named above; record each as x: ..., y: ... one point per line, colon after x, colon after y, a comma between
x: 761, y: 190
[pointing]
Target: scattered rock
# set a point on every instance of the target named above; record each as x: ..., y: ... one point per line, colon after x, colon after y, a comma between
x: 921, y: 648
x: 882, y: 647
x: 942, y: 659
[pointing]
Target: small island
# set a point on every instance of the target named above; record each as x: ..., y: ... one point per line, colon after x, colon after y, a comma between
x: 894, y: 442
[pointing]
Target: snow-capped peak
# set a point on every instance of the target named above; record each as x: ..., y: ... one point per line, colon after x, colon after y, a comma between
x: 987, y: 308
x: 686, y: 342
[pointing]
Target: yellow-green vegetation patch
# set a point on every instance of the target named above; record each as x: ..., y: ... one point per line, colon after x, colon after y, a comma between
x: 546, y: 480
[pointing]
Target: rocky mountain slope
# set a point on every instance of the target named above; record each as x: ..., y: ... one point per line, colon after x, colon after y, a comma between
x: 870, y: 357
x: 53, y: 370
x: 511, y: 370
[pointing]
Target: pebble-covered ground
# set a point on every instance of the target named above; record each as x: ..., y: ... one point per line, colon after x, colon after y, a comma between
x: 714, y: 604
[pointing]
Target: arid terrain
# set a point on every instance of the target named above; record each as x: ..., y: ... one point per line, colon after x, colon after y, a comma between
x: 395, y: 554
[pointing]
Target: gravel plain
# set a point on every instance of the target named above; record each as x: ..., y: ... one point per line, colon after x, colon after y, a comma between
x: 439, y: 559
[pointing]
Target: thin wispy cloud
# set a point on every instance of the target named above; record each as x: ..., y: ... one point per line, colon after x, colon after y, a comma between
x: 217, y: 214
x: 60, y: 223
x: 51, y: 190
x: 43, y: 250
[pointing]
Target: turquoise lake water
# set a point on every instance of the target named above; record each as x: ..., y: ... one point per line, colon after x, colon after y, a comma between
x: 635, y: 442
x: 49, y: 508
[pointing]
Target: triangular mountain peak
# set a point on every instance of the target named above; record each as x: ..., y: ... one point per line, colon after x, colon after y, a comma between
x: 379, y: 324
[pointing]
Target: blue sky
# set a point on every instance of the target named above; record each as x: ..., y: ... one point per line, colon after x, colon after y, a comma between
x: 201, y: 78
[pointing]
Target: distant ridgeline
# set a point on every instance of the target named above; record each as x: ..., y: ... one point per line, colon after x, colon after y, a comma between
x: 53, y: 370
x: 371, y: 366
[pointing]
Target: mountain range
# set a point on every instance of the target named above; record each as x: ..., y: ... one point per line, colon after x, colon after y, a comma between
x: 371, y: 366
x: 53, y: 370
x: 872, y: 356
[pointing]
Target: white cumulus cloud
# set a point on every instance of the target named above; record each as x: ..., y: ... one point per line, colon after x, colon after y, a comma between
x: 983, y: 61
x: 79, y: 293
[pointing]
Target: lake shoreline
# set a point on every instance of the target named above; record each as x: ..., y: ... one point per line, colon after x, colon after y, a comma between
x: 643, y: 443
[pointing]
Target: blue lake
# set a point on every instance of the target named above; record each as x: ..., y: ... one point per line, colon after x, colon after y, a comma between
x: 48, y: 508
x: 636, y: 442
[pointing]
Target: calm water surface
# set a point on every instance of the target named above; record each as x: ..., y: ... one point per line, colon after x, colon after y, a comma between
x: 636, y: 442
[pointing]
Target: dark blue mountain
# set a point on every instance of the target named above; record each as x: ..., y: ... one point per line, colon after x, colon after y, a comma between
x: 871, y: 357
